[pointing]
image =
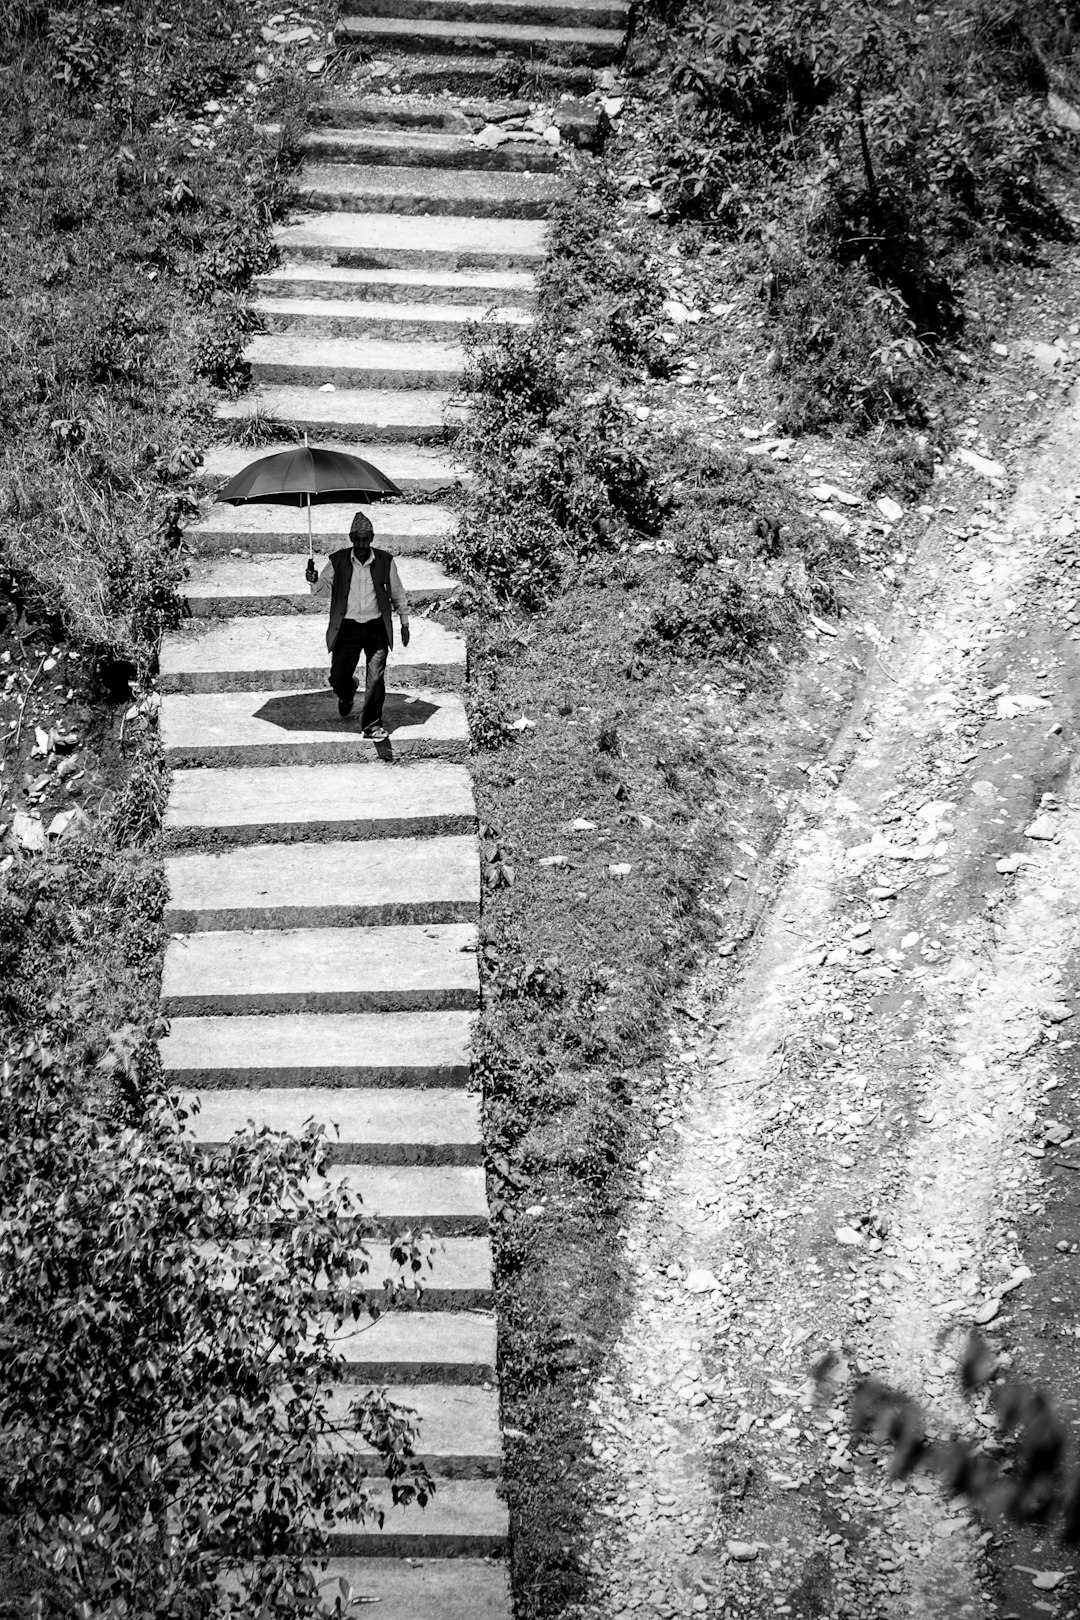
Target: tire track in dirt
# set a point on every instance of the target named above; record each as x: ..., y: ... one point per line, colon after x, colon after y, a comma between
x: 874, y: 1072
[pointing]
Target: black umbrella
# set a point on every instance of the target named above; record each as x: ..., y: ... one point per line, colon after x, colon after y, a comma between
x: 306, y: 476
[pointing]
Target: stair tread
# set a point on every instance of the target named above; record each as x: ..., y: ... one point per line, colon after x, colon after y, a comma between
x: 265, y: 650
x: 499, y: 283
x: 380, y: 239
x: 454, y: 1340
x: 399, y: 412
x: 459, y: 1508
x: 303, y: 727
x: 455, y: 148
x: 306, y: 969
x: 337, y: 883
x: 456, y: 1420
x: 402, y: 528
x: 369, y: 309
x: 333, y: 353
x: 424, y: 1589
x: 459, y: 184
x: 280, y: 577
x: 412, y: 1116
x: 402, y: 463
x: 334, y: 795
x: 301, y: 1049
x: 435, y: 28
x: 414, y: 1194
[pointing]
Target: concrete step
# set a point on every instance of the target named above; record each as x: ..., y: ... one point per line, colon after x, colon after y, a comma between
x: 458, y: 1277
x: 349, y: 188
x: 303, y: 727
x: 320, y: 1050
x: 367, y: 884
x: 446, y: 1200
x: 422, y: 1589
x: 487, y: 75
x: 456, y: 1427
x: 380, y: 415
x: 605, y: 14
x: 372, y: 1125
x: 418, y: 1347
x: 342, y: 111
x: 488, y: 289
x: 364, y: 318
x: 417, y: 469
x: 444, y: 34
x: 315, y: 970
x: 405, y: 530
x: 234, y: 587
x: 277, y: 654
x: 364, y: 363
x: 464, y: 1518
x: 392, y: 242
x: 426, y: 149
x: 310, y: 803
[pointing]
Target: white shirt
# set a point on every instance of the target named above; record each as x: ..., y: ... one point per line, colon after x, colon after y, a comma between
x: 362, y: 605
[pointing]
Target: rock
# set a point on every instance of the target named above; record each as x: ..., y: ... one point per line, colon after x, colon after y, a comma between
x: 1047, y: 1579
x: 1043, y: 828
x: 620, y: 869
x: 60, y: 823
x: 981, y: 464
x: 28, y: 832
x: 1057, y: 1012
x: 700, y: 1282
x: 743, y: 1552
x: 612, y: 105
x: 581, y: 825
x: 1063, y: 112
x: 552, y: 136
x: 491, y: 136
x: 890, y: 510
x: 1012, y: 704
x: 315, y: 64
x: 987, y: 1311
x: 553, y: 860
x: 848, y: 1236
x: 1045, y: 355
x: 1000, y: 349
x: 675, y: 311
x: 584, y: 124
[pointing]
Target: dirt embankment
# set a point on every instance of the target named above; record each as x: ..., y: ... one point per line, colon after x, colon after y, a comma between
x: 868, y: 1118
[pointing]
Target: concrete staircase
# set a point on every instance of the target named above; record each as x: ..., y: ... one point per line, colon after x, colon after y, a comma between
x: 324, y: 893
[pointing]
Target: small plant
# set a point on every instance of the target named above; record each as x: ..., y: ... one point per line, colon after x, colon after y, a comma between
x: 166, y: 1438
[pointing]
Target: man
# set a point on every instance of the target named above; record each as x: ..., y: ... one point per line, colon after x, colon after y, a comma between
x: 364, y: 590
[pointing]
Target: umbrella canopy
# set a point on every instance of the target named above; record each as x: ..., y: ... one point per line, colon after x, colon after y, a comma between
x: 306, y: 476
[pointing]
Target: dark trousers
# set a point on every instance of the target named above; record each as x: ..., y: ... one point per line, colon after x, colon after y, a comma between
x: 352, y: 640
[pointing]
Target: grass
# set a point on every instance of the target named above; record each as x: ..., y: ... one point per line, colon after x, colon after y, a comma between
x: 623, y: 613
x: 138, y: 201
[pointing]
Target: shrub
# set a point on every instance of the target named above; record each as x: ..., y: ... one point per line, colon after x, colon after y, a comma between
x: 167, y: 1361
x: 845, y: 348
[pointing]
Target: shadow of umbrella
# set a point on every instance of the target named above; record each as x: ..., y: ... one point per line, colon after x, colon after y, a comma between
x: 317, y: 711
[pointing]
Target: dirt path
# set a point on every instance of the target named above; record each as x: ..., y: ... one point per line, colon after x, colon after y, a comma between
x: 854, y: 1114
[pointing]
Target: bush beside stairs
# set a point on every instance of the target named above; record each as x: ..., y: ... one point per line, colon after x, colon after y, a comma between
x: 324, y: 900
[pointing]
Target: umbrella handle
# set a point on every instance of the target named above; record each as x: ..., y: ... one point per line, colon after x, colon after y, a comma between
x: 310, y: 542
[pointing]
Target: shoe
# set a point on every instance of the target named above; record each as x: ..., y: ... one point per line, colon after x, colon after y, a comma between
x: 377, y: 733
x: 345, y: 705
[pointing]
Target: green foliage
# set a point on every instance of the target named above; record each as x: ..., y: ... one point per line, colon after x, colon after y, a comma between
x: 904, y: 179
x: 166, y: 1444
x: 740, y: 586
x: 560, y: 476
x: 1032, y: 1488
x: 120, y: 214
x: 846, y: 348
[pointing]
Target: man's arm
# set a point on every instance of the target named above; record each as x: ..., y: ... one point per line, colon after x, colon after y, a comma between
x: 324, y: 584
x: 400, y: 601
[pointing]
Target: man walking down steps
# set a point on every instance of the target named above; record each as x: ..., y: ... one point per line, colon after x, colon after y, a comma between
x: 365, y: 592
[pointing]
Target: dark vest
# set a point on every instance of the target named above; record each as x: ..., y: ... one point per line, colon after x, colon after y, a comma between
x: 341, y: 562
